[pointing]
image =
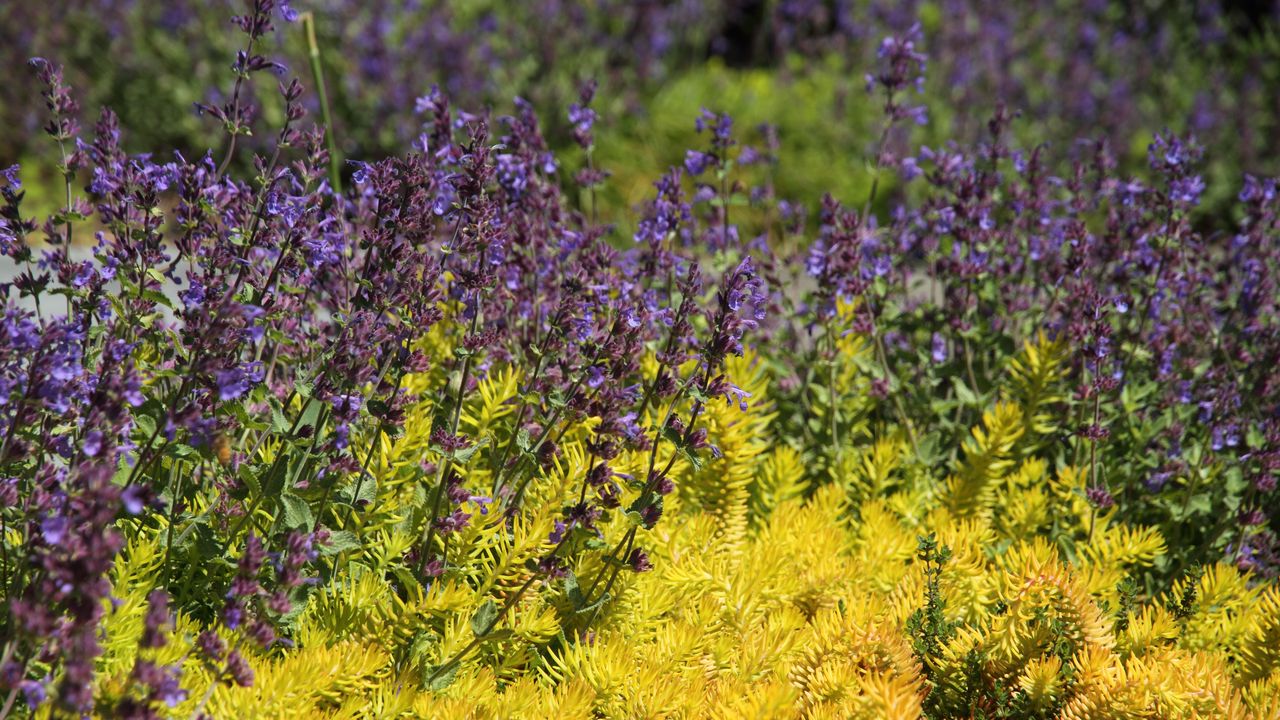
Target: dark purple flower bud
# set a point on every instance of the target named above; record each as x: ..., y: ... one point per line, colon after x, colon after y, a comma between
x: 583, y: 119
x: 232, y: 615
x: 1251, y: 517
x: 1100, y: 497
x: 239, y: 670
x: 651, y: 514
x: 211, y: 645
x: 156, y: 620
x: 665, y: 486
x: 551, y: 566
x: 92, y: 443
x: 639, y: 561
x: 260, y: 632
x: 1094, y: 432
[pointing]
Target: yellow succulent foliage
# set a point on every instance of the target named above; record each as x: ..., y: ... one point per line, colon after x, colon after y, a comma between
x: 769, y: 598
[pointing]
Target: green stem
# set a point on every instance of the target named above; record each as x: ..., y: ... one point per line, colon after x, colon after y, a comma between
x: 175, y: 493
x: 446, y: 463
x: 834, y: 409
x: 317, y: 73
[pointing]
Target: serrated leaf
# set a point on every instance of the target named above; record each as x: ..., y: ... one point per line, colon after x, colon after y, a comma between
x: 442, y: 680
x: 697, y: 394
x: 279, y: 423
x: 340, y: 541
x: 251, y: 480
x: 368, y: 491
x: 572, y: 590
x: 297, y: 513
x: 963, y: 393
x: 694, y: 459
x: 146, y: 424
x: 181, y: 450
x: 485, y: 618
x: 463, y: 455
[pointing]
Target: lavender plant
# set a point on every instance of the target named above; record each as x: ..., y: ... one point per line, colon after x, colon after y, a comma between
x: 233, y: 365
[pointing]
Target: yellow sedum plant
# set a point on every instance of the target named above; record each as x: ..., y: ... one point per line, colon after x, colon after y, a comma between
x: 770, y: 597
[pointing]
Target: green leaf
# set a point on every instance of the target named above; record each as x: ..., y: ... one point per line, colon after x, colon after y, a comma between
x: 963, y: 393
x: 485, y: 618
x: 694, y: 458
x: 368, y: 490
x: 146, y: 424
x: 696, y: 394
x: 279, y: 423
x: 572, y: 590
x: 340, y: 541
x: 443, y: 680
x: 404, y: 576
x: 251, y: 480
x: 297, y: 513
x: 310, y: 413
x: 463, y: 455
x: 180, y: 450
x: 208, y: 545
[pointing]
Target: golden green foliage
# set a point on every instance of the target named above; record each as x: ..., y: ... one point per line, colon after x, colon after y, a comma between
x: 769, y: 597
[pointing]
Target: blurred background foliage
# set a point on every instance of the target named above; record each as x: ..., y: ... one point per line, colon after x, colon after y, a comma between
x: 1095, y: 69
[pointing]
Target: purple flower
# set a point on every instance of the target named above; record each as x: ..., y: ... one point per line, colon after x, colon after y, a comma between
x: 236, y: 381
x: 938, y: 348
x: 557, y: 534
x: 11, y: 175
x: 482, y: 502
x: 92, y: 443
x: 33, y: 692
x: 134, y: 499
x: 513, y: 175
x: 696, y: 162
